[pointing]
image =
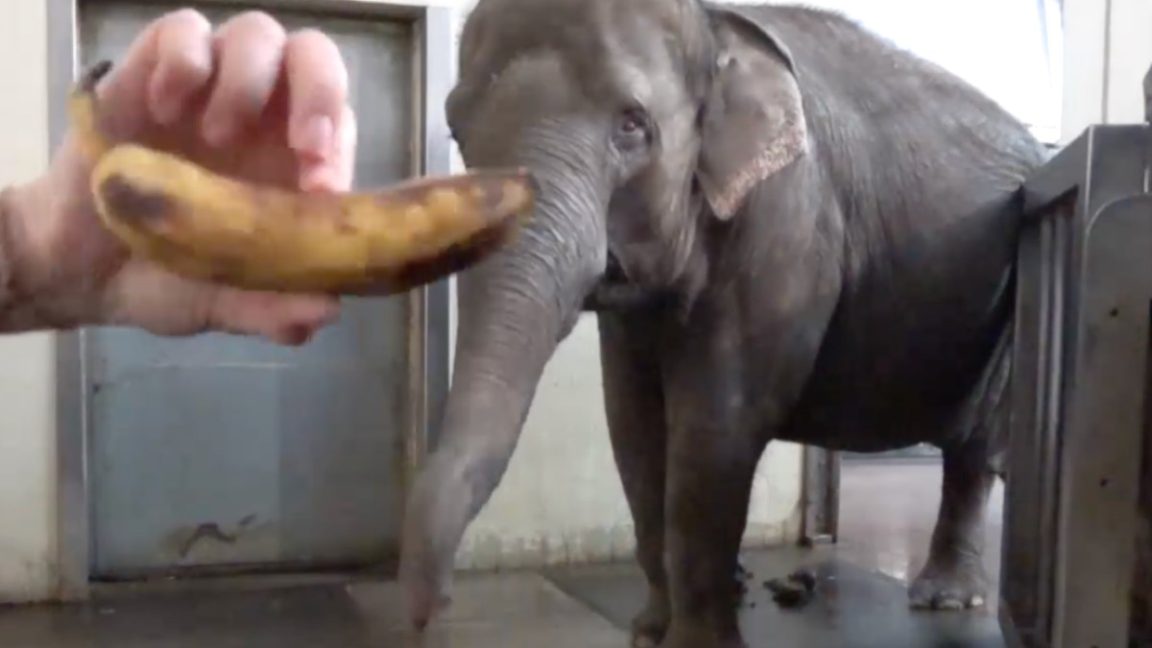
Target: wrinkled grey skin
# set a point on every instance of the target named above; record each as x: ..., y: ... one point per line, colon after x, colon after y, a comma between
x: 813, y: 234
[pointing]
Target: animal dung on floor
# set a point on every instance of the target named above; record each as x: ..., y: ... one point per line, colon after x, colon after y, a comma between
x: 794, y: 591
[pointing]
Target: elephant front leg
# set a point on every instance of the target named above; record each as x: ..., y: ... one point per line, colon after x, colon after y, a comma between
x: 634, y: 402
x: 713, y: 452
x: 710, y: 482
x: 954, y: 578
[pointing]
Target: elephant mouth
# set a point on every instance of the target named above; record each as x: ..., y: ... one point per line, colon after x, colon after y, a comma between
x: 615, y: 292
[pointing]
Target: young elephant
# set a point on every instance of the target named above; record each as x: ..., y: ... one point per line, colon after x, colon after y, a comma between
x: 816, y: 234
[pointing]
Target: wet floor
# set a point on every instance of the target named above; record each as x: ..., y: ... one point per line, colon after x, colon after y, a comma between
x: 860, y: 601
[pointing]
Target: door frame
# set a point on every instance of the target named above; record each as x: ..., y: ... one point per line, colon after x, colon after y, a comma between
x: 427, y: 309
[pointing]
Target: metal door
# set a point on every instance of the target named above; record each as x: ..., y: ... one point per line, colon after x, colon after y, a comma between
x: 225, y: 452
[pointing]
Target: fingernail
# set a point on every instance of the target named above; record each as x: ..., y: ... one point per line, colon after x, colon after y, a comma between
x: 315, y: 136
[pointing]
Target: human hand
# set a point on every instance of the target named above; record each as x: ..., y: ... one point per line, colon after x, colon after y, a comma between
x: 245, y: 99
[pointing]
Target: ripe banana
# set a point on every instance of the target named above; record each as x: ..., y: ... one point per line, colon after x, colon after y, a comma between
x: 203, y: 225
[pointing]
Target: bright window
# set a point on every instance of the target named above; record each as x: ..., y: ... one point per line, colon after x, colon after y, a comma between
x: 1010, y: 49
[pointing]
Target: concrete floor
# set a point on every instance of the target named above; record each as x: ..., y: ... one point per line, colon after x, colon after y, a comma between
x: 887, y: 512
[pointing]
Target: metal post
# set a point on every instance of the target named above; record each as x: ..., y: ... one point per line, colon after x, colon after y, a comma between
x: 821, y: 496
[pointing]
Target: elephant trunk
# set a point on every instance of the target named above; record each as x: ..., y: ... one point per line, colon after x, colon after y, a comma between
x: 514, y: 310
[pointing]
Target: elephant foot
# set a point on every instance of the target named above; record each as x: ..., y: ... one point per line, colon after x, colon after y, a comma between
x: 691, y: 636
x: 959, y: 587
x: 650, y: 626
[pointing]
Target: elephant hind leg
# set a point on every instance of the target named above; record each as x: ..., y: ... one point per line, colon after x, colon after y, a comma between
x: 634, y: 402
x: 954, y: 576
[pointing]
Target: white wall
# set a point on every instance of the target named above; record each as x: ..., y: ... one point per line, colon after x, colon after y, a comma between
x: 27, y: 438
x: 997, y: 45
x: 561, y: 500
x: 1108, y: 51
x: 1129, y: 57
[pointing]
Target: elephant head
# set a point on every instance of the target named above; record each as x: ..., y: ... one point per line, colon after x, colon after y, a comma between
x: 645, y: 123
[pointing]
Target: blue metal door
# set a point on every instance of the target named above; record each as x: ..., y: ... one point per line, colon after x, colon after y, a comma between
x: 226, y: 452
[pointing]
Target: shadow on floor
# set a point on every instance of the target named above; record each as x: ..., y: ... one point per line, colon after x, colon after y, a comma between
x: 888, y: 509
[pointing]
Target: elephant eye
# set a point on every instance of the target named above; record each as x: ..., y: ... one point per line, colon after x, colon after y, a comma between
x: 632, y: 129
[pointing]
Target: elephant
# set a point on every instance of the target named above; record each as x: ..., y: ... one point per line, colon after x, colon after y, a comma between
x: 787, y: 228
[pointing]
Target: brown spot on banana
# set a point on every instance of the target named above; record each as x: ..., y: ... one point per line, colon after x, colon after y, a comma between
x: 461, y: 256
x: 204, y: 225
x: 122, y: 197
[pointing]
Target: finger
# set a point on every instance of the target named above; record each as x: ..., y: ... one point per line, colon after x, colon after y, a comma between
x: 336, y: 172
x: 183, y: 64
x: 125, y: 93
x: 318, y: 92
x: 249, y: 49
x: 290, y: 320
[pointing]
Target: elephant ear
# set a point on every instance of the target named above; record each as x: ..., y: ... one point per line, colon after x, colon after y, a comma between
x: 753, y: 122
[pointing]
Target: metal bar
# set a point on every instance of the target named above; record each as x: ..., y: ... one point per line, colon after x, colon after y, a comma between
x: 72, y: 519
x: 821, y: 496
x: 428, y: 337
x: 1059, y: 276
x: 439, y: 73
x: 1035, y: 365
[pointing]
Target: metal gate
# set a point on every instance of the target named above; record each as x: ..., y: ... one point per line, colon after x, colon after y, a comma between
x: 1080, y: 385
x: 218, y: 452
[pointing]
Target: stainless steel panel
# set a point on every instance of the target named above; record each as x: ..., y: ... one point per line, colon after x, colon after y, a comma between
x: 1079, y: 389
x: 220, y: 451
x: 1102, y: 446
